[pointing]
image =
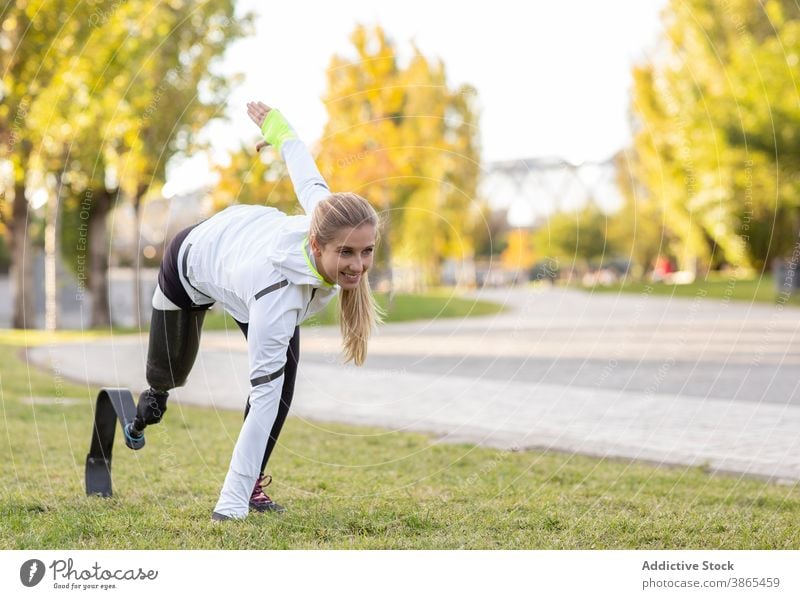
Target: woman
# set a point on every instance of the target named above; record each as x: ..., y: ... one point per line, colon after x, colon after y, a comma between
x: 270, y: 272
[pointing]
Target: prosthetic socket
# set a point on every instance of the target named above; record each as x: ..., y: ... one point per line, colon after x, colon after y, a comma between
x: 174, y: 342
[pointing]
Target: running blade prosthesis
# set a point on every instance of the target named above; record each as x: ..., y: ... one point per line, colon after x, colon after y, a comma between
x: 113, y: 405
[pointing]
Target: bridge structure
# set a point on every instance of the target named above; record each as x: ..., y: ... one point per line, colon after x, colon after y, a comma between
x: 533, y: 188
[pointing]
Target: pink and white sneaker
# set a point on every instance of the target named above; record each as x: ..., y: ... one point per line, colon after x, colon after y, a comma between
x: 260, y: 501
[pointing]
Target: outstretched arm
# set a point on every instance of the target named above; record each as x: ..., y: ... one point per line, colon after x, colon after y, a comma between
x: 309, y: 184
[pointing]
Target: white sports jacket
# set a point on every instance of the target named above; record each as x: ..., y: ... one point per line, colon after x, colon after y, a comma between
x: 256, y: 262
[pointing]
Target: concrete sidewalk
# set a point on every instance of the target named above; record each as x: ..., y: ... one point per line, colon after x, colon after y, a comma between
x: 404, y: 388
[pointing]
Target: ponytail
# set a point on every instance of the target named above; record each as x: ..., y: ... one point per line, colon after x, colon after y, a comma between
x: 359, y: 313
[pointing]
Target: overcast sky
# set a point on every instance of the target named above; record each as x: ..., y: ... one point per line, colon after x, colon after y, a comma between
x: 553, y: 78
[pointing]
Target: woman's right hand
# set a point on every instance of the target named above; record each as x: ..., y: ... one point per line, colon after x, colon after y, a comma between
x: 257, y: 111
x: 274, y: 126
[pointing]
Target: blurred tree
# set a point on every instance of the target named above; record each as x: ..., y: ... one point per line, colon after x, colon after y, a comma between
x: 166, y: 119
x: 35, y: 38
x: 5, y: 259
x: 579, y: 238
x: 360, y: 149
x: 94, y: 106
x: 127, y: 103
x: 518, y: 254
x: 106, y: 93
x: 490, y: 239
x: 663, y: 167
x: 638, y: 231
x: 461, y: 203
x: 717, y: 132
x: 399, y: 136
x: 246, y: 180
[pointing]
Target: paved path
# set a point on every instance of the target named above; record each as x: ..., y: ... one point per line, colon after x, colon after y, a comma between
x: 678, y: 381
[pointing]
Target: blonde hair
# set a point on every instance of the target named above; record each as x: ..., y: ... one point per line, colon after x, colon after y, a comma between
x: 358, y: 311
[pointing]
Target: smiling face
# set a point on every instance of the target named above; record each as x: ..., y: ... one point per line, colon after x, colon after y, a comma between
x: 347, y: 257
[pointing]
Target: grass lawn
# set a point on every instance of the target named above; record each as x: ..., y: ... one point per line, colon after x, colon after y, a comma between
x: 350, y: 487
x: 761, y: 290
x: 435, y: 304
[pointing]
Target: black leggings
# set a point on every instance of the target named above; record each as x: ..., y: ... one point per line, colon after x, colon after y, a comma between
x: 289, y: 376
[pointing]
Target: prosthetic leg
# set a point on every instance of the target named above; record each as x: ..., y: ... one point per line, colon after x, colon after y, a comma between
x: 112, y: 405
x: 174, y: 341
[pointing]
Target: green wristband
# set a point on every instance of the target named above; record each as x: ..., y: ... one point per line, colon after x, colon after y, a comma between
x: 276, y: 129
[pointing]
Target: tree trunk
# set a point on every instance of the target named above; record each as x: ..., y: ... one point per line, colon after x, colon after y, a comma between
x: 385, y: 242
x: 387, y: 254
x: 138, y: 316
x: 98, y: 259
x: 52, y: 255
x: 21, y: 264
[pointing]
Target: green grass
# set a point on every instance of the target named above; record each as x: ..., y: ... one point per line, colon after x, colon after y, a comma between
x: 760, y: 290
x: 436, y: 304
x: 352, y: 487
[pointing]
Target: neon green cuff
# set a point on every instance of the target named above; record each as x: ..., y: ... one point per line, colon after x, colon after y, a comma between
x: 276, y: 129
